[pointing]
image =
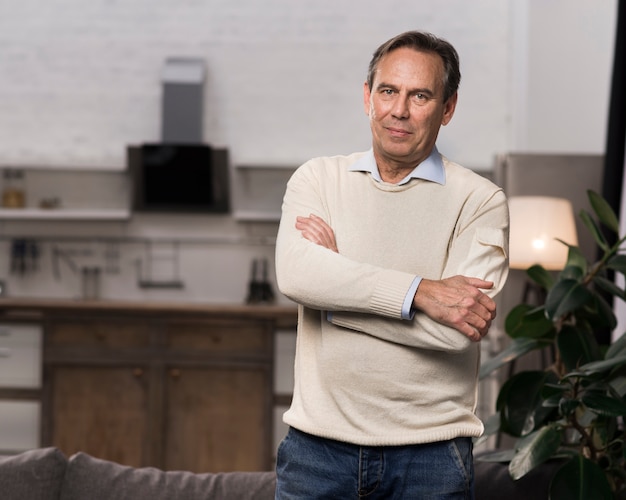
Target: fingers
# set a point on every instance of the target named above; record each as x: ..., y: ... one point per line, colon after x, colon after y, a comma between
x: 477, y: 282
x: 315, y: 229
x: 458, y: 302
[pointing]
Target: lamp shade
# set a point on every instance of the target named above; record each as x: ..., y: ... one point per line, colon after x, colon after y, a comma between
x: 536, y: 223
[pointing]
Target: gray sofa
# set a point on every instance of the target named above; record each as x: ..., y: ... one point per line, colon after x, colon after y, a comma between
x: 47, y: 474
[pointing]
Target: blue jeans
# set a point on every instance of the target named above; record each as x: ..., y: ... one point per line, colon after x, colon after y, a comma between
x: 310, y: 467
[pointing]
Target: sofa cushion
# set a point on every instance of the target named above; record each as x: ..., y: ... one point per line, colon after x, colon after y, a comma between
x: 97, y: 479
x: 493, y: 481
x: 33, y: 475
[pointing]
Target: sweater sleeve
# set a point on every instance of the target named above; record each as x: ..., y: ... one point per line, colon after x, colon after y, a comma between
x: 319, y: 278
x: 479, y: 250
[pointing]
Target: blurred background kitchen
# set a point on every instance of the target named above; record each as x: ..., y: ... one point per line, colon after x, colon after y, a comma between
x: 272, y: 84
x: 102, y: 103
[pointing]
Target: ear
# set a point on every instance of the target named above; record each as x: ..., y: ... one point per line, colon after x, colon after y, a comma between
x: 448, y: 109
x: 366, y: 98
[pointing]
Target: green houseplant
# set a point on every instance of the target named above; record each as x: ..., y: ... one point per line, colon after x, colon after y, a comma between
x: 574, y: 410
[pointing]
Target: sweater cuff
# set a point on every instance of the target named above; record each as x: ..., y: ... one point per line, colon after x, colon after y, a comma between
x: 390, y: 295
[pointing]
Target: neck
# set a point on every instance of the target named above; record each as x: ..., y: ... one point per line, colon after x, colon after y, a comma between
x: 393, y: 171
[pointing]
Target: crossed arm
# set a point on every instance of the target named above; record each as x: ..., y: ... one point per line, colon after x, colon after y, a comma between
x: 457, y: 301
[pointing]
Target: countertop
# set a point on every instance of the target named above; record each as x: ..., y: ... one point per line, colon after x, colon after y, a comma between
x: 284, y: 316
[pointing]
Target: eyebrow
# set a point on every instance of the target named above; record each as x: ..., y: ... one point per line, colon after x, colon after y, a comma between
x: 427, y: 91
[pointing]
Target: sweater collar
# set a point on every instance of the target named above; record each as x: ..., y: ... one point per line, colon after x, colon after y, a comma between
x: 431, y: 169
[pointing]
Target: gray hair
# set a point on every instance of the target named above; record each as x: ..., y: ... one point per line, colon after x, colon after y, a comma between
x: 422, y: 42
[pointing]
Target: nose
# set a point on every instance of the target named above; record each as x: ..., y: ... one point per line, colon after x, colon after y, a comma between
x: 400, y: 107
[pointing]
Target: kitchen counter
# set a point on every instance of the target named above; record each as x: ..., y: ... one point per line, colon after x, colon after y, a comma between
x: 180, y: 386
x: 283, y: 316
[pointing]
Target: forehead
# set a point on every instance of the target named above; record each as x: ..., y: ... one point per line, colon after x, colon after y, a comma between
x: 410, y: 67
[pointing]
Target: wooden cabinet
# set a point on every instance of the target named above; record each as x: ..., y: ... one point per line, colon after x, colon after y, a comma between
x: 100, y: 410
x: 20, y: 386
x: 218, y: 395
x: 175, y: 388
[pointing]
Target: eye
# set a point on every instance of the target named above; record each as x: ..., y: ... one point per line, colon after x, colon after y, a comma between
x: 421, y: 98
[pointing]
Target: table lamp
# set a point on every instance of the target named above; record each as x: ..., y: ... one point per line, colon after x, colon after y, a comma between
x: 537, y: 223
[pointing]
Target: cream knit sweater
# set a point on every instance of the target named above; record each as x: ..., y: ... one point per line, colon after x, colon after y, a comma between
x: 370, y: 377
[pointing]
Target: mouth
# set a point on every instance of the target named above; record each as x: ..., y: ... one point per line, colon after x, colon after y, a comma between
x: 398, y: 132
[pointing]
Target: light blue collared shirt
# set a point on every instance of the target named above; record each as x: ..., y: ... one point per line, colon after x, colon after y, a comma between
x: 431, y: 169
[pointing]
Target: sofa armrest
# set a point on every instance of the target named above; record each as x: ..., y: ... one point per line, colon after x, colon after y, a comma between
x: 97, y: 479
x: 35, y: 474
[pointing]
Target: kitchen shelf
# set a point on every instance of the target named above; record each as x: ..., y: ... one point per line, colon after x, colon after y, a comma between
x: 259, y: 191
x: 63, y: 214
x: 256, y: 216
x: 63, y: 167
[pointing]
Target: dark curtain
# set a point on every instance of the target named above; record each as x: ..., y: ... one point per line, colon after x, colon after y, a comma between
x: 616, y: 130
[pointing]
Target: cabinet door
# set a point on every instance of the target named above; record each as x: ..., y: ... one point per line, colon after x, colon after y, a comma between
x: 218, y: 395
x: 98, y: 389
x: 102, y: 411
x: 218, y: 419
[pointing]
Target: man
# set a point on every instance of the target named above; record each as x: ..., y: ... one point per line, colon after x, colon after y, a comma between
x: 393, y: 256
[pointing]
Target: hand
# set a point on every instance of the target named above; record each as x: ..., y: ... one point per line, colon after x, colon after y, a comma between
x: 459, y: 303
x: 315, y: 230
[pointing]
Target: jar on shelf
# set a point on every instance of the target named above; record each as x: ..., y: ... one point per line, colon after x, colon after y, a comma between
x: 13, y: 190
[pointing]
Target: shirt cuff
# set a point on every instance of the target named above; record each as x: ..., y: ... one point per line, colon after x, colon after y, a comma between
x: 407, y: 306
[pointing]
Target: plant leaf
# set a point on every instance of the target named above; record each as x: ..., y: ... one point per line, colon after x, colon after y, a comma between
x: 609, y: 286
x: 580, y: 479
x: 499, y: 456
x: 617, y: 263
x: 617, y: 348
x: 603, y: 404
x: 594, y: 230
x: 575, y: 258
x: 492, y: 426
x: 534, y: 450
x: 596, y: 367
x: 576, y: 346
x: 604, y: 211
x: 527, y: 321
x: 572, y: 273
x: 604, y: 312
x: 566, y: 296
x: 516, y: 348
x: 540, y: 276
x: 618, y: 384
x: 520, y: 402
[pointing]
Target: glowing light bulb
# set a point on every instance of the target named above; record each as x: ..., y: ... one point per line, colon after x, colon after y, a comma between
x: 539, y: 244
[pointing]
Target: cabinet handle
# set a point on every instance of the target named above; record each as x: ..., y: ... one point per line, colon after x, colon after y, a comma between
x: 138, y: 372
x: 175, y: 373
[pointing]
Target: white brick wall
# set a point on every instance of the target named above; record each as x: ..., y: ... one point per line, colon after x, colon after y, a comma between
x: 79, y: 80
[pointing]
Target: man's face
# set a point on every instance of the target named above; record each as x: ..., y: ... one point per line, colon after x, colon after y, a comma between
x: 406, y: 108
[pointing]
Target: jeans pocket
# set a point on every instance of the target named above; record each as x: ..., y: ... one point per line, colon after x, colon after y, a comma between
x: 461, y: 450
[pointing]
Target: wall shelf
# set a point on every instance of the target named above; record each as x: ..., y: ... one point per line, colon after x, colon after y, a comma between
x: 259, y: 190
x: 63, y: 214
x: 90, y: 193
x: 63, y: 167
x: 256, y: 216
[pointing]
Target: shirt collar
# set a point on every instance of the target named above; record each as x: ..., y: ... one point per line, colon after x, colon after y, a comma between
x: 431, y: 169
